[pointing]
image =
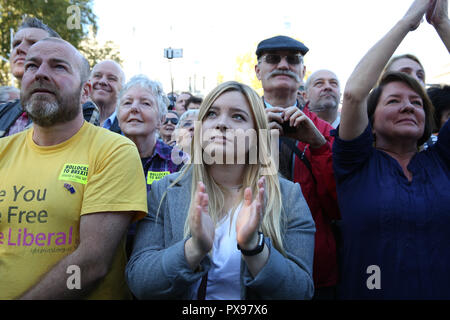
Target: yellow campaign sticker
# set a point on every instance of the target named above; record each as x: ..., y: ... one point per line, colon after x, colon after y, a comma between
x: 75, y: 173
x: 153, y: 176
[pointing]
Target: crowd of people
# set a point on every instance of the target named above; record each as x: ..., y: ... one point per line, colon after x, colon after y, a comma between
x: 232, y: 196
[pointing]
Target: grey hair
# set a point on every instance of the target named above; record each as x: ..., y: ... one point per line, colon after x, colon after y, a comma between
x: 186, y: 114
x: 85, y: 69
x: 31, y: 22
x: 4, y: 93
x: 153, y: 86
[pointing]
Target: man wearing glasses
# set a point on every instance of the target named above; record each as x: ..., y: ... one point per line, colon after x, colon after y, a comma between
x: 305, y: 148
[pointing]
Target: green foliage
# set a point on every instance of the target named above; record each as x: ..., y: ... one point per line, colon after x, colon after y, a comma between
x: 245, y: 71
x: 58, y: 15
x: 96, y: 52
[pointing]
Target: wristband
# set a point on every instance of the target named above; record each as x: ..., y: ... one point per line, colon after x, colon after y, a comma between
x: 258, y: 248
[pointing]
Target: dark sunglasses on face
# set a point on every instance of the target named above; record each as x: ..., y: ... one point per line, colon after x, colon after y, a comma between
x: 174, y: 121
x: 292, y: 59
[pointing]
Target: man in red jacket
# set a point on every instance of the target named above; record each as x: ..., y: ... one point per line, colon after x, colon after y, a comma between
x: 305, y: 148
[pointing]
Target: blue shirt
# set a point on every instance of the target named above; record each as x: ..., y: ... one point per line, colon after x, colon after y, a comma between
x: 108, y: 122
x: 401, y: 227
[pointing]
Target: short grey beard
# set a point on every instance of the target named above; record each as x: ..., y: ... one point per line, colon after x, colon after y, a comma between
x: 43, y: 113
x: 48, y: 113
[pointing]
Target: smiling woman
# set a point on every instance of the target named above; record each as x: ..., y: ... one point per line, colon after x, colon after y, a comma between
x: 394, y: 199
x: 142, y: 109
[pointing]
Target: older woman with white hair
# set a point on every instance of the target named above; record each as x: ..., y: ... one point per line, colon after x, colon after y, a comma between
x: 184, y: 130
x: 141, y: 111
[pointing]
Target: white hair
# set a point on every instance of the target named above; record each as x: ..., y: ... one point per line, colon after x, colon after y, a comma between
x: 154, y: 87
x: 187, y: 114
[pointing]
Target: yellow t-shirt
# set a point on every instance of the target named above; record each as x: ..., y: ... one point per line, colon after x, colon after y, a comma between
x: 44, y: 191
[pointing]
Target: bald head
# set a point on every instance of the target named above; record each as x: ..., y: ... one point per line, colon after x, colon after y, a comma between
x: 320, y: 74
x: 107, y: 79
x: 53, y: 83
x: 323, y: 94
x: 81, y: 62
x: 113, y: 67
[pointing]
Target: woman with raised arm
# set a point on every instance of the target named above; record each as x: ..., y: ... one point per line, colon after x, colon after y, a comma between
x: 226, y: 226
x: 394, y: 200
x: 437, y: 15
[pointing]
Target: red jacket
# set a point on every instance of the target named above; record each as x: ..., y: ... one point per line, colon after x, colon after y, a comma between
x: 322, y: 201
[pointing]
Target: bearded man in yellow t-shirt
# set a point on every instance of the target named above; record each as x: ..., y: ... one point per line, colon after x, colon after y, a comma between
x: 68, y: 189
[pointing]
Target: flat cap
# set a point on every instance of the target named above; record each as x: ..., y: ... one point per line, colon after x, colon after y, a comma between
x: 280, y: 43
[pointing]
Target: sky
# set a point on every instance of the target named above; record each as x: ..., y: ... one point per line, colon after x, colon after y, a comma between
x: 214, y: 33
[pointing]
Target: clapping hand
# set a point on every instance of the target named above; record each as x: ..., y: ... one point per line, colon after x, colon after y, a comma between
x: 200, y: 223
x: 250, y: 217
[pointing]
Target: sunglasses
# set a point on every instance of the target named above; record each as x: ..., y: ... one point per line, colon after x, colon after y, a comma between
x: 174, y: 121
x: 292, y: 59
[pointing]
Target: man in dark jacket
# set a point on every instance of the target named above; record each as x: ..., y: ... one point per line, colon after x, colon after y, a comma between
x: 305, y: 148
x: 13, y: 119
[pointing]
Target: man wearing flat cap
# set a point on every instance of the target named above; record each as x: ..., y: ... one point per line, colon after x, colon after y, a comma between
x: 305, y: 148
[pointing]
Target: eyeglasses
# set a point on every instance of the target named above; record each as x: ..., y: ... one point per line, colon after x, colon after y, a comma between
x: 292, y: 59
x: 187, y: 124
x: 174, y: 121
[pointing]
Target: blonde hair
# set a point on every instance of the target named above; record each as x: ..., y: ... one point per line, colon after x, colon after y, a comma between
x: 272, y: 223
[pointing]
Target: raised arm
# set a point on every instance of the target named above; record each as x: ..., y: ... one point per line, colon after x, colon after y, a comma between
x: 354, y: 113
x: 438, y: 17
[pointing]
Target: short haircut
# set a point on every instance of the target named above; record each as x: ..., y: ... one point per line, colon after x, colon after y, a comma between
x: 375, y: 94
x: 185, y: 92
x: 440, y: 97
x: 311, y: 79
x: 194, y: 99
x: 85, y: 69
x: 153, y: 86
x: 173, y: 112
x: 185, y: 115
x: 121, y: 73
x: 31, y: 22
x: 83, y: 63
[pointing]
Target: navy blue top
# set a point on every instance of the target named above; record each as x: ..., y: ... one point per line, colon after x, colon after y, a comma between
x: 399, y: 226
